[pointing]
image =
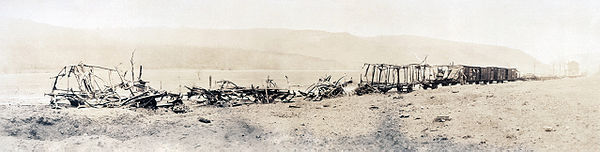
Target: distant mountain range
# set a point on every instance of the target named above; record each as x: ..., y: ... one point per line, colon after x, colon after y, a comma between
x: 27, y: 45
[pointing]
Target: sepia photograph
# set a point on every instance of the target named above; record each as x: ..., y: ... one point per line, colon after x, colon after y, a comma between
x: 299, y: 75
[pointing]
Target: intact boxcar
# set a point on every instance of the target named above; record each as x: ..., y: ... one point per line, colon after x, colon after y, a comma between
x: 472, y: 74
x: 487, y: 74
x: 512, y: 74
x: 500, y: 75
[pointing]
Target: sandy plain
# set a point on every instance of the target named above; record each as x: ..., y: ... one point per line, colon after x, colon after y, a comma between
x: 554, y: 115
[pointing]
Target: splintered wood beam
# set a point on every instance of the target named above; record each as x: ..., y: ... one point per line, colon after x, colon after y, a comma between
x: 56, y: 79
x: 140, y: 74
x: 132, y: 68
x: 99, y: 67
x: 123, y: 82
x: 379, y: 74
x: 366, y: 73
x: 373, y: 75
x: 387, y: 79
x: 397, y: 75
x: 110, y: 80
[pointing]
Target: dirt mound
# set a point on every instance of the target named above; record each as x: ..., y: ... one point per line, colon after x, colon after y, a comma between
x: 45, y: 127
x: 58, y: 125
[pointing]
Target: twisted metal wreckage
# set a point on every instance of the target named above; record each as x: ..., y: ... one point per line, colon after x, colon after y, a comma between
x: 84, y: 85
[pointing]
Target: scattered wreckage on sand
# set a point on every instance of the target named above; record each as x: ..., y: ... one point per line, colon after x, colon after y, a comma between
x: 84, y: 85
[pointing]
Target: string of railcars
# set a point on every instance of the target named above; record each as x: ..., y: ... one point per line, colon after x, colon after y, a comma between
x: 405, y: 78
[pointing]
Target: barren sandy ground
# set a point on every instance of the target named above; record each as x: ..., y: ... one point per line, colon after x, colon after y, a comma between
x: 556, y: 115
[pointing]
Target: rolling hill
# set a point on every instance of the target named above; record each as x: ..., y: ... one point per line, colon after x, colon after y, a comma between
x: 30, y: 45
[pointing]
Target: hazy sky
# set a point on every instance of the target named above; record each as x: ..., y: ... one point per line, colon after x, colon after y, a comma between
x: 548, y: 29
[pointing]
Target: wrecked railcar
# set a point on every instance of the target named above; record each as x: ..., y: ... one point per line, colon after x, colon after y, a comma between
x: 404, y: 78
x: 230, y: 94
x: 384, y: 77
x: 84, y: 85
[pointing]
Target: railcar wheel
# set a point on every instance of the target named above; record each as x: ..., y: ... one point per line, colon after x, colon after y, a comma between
x: 409, y: 89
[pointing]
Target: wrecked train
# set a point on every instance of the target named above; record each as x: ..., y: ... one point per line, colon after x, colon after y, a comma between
x: 405, y: 78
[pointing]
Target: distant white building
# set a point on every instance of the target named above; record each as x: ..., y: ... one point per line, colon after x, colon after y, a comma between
x: 572, y: 68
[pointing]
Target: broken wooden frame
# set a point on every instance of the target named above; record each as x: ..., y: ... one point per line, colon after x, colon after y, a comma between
x: 385, y: 77
x: 98, y: 86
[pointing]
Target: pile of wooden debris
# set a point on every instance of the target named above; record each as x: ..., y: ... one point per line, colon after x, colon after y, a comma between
x: 229, y: 94
x: 85, y: 85
x: 365, y: 88
x: 325, y: 88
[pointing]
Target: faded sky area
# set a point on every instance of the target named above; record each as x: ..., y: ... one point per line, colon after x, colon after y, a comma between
x: 549, y: 30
